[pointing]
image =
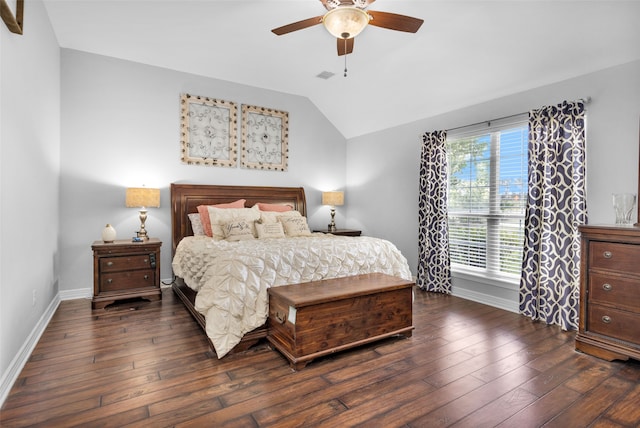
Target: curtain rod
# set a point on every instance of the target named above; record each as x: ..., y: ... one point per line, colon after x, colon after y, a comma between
x: 585, y: 100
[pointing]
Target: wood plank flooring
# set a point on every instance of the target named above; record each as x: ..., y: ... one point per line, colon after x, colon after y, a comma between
x: 142, y: 364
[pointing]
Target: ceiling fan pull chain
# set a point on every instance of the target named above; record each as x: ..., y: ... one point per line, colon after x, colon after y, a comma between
x: 345, y: 57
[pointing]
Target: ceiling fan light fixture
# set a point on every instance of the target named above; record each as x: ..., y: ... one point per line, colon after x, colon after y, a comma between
x: 345, y: 22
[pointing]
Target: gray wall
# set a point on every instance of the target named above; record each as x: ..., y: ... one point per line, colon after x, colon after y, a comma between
x: 120, y: 128
x: 29, y: 172
x: 382, y: 168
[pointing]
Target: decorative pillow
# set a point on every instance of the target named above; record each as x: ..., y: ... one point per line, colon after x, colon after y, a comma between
x: 295, y: 226
x: 280, y: 208
x: 219, y: 216
x: 269, y: 230
x: 196, y: 224
x: 204, y: 213
x: 274, y: 216
x: 238, y: 230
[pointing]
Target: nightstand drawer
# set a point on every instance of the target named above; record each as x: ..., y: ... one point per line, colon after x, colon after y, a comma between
x: 621, y: 325
x: 622, y: 292
x: 614, y: 256
x: 114, y: 264
x: 127, y: 280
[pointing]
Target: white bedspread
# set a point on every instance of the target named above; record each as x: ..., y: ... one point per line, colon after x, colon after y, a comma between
x: 232, y: 278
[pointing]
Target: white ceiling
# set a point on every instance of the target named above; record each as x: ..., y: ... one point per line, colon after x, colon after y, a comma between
x: 466, y: 52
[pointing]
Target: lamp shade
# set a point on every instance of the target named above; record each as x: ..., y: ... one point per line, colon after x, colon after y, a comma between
x: 333, y: 198
x: 142, y: 197
x: 345, y: 22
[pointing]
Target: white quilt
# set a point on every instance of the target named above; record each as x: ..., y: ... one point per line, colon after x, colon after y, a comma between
x: 232, y: 278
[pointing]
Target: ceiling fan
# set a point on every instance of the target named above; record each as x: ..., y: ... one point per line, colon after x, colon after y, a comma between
x: 345, y: 19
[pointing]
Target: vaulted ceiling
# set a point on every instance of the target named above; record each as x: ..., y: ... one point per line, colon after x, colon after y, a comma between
x: 466, y: 52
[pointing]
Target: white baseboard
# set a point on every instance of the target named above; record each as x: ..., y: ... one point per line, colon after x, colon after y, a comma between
x: 17, y: 364
x: 486, y: 299
x: 78, y: 293
x: 21, y: 358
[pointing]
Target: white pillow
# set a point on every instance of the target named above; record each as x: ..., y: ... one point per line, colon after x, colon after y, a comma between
x: 269, y: 230
x: 220, y: 216
x: 196, y: 224
x: 295, y: 226
x: 237, y: 230
x: 274, y: 216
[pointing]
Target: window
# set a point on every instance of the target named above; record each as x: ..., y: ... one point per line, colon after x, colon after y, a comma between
x: 487, y: 198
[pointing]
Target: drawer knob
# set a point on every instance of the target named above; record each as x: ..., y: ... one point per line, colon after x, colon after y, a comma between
x: 607, y: 254
x: 146, y: 260
x: 146, y: 277
x: 109, y: 281
x: 607, y: 287
x: 281, y: 317
x: 606, y: 319
x: 109, y: 263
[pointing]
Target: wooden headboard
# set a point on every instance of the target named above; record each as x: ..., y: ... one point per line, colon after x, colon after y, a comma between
x: 185, y: 199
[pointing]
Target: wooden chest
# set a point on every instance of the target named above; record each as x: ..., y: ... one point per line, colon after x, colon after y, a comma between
x: 610, y: 292
x: 314, y: 319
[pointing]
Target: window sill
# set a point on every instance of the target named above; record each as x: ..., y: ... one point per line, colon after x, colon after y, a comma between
x: 509, y: 283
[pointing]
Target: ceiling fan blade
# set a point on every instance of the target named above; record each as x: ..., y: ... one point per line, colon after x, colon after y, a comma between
x: 295, y: 26
x: 345, y: 50
x: 393, y: 21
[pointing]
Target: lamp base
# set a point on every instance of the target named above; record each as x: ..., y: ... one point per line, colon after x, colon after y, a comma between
x: 142, y: 233
x: 332, y: 225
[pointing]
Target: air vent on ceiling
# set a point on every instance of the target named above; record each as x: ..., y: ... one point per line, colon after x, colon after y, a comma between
x: 325, y: 75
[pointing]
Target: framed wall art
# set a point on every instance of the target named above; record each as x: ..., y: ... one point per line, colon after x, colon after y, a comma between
x: 12, y: 12
x: 265, y: 135
x: 208, y: 131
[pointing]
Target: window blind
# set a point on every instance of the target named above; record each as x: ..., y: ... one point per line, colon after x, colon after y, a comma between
x: 487, y: 194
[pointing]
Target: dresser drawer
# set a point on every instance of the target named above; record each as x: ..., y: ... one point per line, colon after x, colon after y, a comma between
x: 615, y: 256
x: 114, y: 264
x: 614, y: 323
x: 613, y: 290
x: 127, y: 280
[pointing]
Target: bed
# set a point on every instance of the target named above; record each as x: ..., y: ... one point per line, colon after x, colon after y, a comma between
x: 192, y: 291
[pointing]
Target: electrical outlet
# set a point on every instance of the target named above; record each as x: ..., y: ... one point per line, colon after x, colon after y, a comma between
x: 35, y: 295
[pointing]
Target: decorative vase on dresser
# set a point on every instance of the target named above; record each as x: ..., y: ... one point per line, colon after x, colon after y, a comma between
x: 610, y: 292
x: 108, y: 234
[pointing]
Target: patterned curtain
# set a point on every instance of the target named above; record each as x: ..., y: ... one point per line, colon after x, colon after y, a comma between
x: 434, y: 267
x: 556, y: 206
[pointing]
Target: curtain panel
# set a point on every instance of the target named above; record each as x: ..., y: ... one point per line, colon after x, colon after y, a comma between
x: 556, y: 206
x: 434, y: 266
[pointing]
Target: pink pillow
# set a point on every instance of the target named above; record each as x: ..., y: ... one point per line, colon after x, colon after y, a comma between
x: 204, y: 213
x: 280, y: 208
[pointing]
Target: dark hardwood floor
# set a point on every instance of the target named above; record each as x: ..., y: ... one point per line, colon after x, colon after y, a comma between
x: 467, y: 365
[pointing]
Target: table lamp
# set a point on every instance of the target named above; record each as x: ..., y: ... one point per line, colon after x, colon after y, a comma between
x: 333, y: 199
x: 143, y: 198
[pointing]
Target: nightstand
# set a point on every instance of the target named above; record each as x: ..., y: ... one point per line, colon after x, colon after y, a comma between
x: 342, y: 232
x: 124, y: 269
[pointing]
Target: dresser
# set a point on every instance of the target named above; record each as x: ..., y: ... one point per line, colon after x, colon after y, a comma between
x: 610, y: 292
x: 124, y: 270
